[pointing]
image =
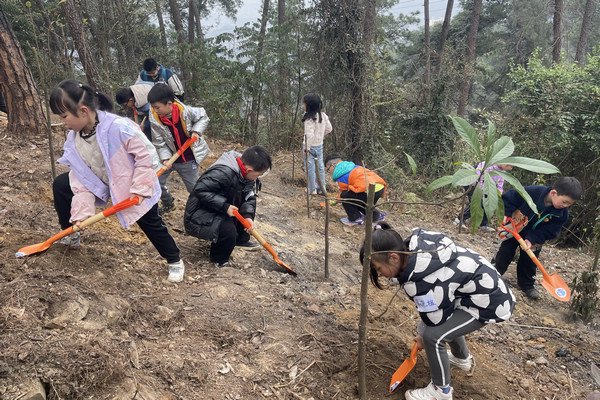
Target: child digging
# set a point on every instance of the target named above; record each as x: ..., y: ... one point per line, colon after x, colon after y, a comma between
x: 172, y: 124
x: 455, y: 290
x: 226, y: 186
x: 109, y: 158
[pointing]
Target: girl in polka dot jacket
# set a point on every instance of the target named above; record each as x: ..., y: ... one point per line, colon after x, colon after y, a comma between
x: 455, y: 290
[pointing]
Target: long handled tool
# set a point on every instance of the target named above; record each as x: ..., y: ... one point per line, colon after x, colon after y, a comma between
x: 405, y: 368
x: 263, y: 242
x: 552, y: 283
x: 38, y: 248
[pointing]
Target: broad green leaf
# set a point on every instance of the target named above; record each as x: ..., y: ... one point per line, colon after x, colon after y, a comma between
x: 501, y: 149
x: 413, y: 164
x: 500, y: 212
x: 530, y: 164
x: 438, y: 183
x: 468, y: 134
x: 464, y: 177
x: 518, y: 187
x: 476, y: 210
x: 491, y: 134
x: 490, y: 200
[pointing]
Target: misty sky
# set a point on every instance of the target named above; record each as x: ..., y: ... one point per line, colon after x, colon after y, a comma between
x: 250, y: 12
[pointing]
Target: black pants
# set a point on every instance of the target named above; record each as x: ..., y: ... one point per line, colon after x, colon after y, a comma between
x: 231, y: 232
x: 354, y: 209
x: 151, y: 223
x: 526, y: 268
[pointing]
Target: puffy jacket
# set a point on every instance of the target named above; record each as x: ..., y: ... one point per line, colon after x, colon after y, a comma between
x: 350, y: 176
x: 193, y: 119
x: 131, y: 163
x: 219, y: 187
x: 441, y: 276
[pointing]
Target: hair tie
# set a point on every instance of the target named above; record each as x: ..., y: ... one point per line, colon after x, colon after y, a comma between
x: 378, y: 227
x: 96, y: 93
x: 81, y: 85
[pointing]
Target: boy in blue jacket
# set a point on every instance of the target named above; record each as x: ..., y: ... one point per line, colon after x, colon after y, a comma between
x: 553, y: 206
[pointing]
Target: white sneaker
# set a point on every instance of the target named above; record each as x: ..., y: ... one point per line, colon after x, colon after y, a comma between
x: 176, y: 271
x: 486, y: 228
x: 429, y: 392
x: 466, y: 364
x: 72, y: 240
x: 457, y: 223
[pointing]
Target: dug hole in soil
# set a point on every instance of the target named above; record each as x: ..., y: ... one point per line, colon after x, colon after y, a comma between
x: 102, y: 322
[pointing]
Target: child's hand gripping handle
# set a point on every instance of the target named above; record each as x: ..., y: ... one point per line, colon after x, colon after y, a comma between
x: 175, y: 156
x: 523, y: 245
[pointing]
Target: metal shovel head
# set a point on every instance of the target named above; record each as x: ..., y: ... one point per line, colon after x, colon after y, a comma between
x: 404, y: 369
x: 556, y: 287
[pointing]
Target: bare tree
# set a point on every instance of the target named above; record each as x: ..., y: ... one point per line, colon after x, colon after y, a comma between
x: 469, y: 59
x: 257, y: 97
x: 559, y: 6
x: 586, y: 27
x: 161, y: 24
x: 88, y: 61
x: 25, y: 115
x: 444, y: 35
x: 427, y: 73
x: 194, y: 23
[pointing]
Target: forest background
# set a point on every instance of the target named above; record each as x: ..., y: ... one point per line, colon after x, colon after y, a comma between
x: 529, y: 66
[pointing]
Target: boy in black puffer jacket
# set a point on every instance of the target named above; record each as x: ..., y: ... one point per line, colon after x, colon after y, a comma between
x: 226, y: 186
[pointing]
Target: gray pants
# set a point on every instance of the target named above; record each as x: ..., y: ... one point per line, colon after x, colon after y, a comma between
x: 188, y: 171
x: 452, y: 332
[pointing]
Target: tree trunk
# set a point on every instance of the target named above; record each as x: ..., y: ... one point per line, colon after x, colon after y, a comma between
x: 25, y: 114
x: 128, y: 36
x: 194, y: 22
x: 426, y: 75
x: 161, y: 24
x: 557, y: 25
x: 469, y: 59
x: 444, y: 36
x: 586, y: 27
x: 74, y: 21
x: 176, y: 16
x: 283, y: 73
x: 257, y: 96
x: 99, y: 39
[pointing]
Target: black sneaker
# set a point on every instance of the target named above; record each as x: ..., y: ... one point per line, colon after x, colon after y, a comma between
x: 166, y: 207
x: 532, y: 293
x: 249, y: 245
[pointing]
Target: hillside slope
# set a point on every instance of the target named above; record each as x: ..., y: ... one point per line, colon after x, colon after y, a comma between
x: 102, y: 322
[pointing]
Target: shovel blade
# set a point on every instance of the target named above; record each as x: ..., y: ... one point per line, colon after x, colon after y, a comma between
x: 556, y: 287
x: 32, y: 249
x: 404, y: 369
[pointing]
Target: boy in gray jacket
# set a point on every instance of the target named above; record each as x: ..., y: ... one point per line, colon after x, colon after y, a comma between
x: 172, y: 124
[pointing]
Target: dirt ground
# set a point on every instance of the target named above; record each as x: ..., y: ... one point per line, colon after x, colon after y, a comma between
x: 102, y: 322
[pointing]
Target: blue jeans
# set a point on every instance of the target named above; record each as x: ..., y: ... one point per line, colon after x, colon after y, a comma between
x: 315, y: 152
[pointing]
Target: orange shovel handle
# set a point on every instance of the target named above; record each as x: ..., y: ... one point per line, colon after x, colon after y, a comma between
x: 175, y: 156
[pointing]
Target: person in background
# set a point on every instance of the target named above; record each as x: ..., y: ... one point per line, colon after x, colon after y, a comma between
x: 172, y: 124
x: 353, y: 182
x: 156, y: 73
x: 110, y: 159
x: 135, y: 98
x: 316, y: 126
x: 553, y: 206
x: 456, y: 291
x: 226, y: 186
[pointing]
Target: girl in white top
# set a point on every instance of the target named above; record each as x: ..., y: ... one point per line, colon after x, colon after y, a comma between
x: 316, y: 126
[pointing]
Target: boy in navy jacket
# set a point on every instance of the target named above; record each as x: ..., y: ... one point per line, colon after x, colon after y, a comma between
x: 552, y: 204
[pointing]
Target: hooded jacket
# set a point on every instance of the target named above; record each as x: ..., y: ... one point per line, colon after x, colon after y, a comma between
x: 442, y: 276
x: 131, y: 163
x: 193, y: 119
x: 350, y: 176
x: 219, y: 187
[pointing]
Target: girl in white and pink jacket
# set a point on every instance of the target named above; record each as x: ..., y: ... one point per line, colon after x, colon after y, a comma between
x: 109, y: 158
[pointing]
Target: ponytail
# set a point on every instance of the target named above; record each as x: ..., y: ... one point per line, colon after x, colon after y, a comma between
x: 71, y: 94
